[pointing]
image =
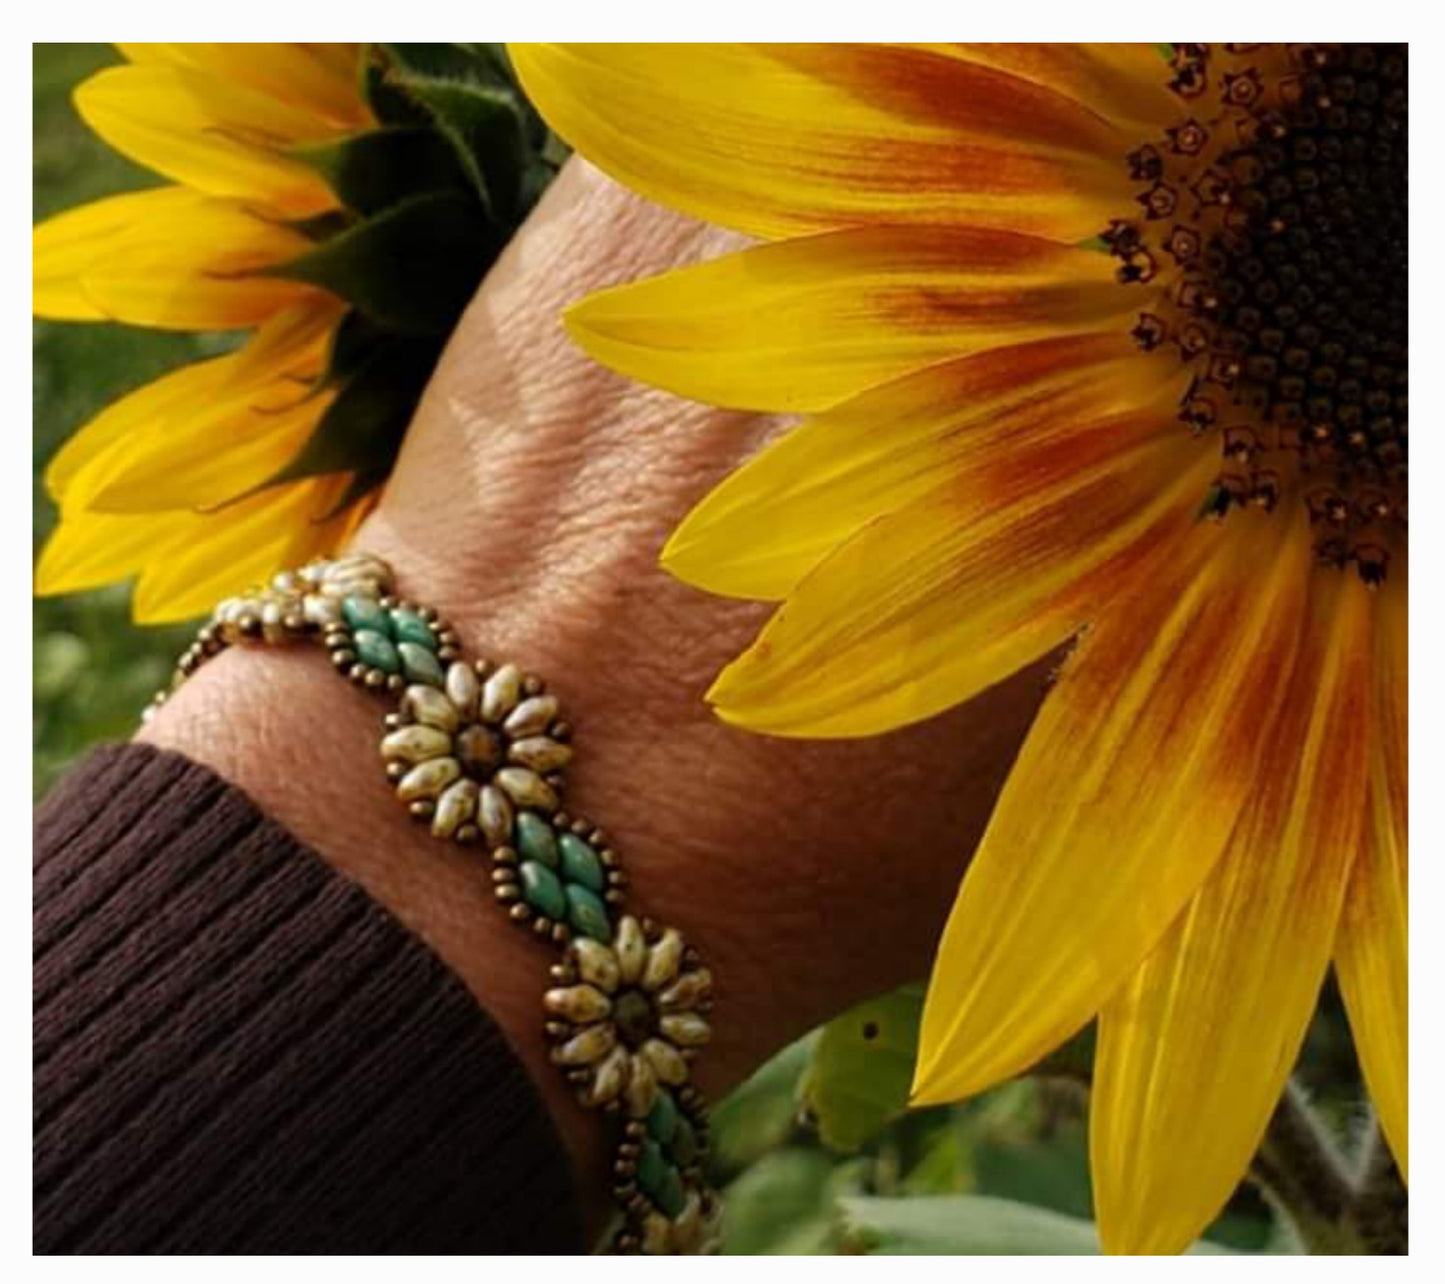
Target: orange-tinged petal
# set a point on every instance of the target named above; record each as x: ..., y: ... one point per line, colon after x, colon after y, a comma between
x: 1195, y: 1050
x: 756, y: 138
x: 1372, y: 954
x: 774, y: 520
x: 914, y: 84
x: 1122, y: 799
x: 962, y: 587
x: 326, y: 82
x: 208, y: 133
x: 805, y: 323
x: 1126, y: 82
x: 171, y: 258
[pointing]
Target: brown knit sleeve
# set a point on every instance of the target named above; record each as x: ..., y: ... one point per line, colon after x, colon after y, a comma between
x: 237, y: 1051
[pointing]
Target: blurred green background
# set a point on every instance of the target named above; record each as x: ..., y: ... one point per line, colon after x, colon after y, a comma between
x: 1006, y: 1173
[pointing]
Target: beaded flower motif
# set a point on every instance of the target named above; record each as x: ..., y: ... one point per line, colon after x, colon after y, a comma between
x: 469, y: 753
x: 628, y: 1015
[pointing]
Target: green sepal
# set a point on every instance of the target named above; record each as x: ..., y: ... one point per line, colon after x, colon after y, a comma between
x: 372, y: 171
x: 412, y: 268
x: 362, y: 429
x: 469, y: 95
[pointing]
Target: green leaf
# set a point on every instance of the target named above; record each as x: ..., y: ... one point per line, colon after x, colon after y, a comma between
x: 412, y: 268
x: 968, y: 1225
x: 786, y: 1203
x: 761, y: 1113
x: 374, y: 170
x: 862, y: 1068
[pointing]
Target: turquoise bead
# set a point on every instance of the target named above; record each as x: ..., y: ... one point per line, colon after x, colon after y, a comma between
x: 684, y: 1143
x: 420, y: 664
x: 542, y: 890
x: 365, y: 613
x: 408, y: 626
x: 651, y: 1166
x: 668, y: 1195
x: 662, y: 1118
x: 535, y: 839
x: 586, y: 912
x: 375, y: 649
x: 580, y: 863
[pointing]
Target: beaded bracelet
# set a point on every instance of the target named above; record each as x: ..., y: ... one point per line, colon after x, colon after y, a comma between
x: 477, y: 752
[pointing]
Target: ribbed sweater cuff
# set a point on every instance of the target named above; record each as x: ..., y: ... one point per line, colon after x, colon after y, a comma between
x: 237, y: 1051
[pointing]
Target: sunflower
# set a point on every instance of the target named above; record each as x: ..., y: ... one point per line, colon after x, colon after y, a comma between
x: 1101, y: 346
x: 339, y: 203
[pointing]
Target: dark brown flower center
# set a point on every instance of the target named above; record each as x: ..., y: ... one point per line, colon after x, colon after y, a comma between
x: 1273, y: 240
x: 480, y: 751
x: 632, y: 1014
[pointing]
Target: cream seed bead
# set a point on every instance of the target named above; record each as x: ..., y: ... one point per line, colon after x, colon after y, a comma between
x: 415, y: 743
x: 539, y: 753
x: 533, y: 716
x: 427, y: 704
x: 686, y: 992
x: 428, y: 779
x: 688, y: 1223
x: 501, y: 692
x: 495, y: 816
x: 641, y: 1088
x: 462, y: 688
x: 610, y: 1077
x: 631, y: 948
x: 580, y: 1004
x: 526, y: 788
x: 663, y: 960
x: 656, y: 1234
x: 596, y: 964
x: 455, y: 807
x: 588, y: 1047
x: 319, y: 610
x: 686, y: 1029
x: 666, y: 1061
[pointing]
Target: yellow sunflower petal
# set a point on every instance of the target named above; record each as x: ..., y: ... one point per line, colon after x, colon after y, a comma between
x: 62, y: 246
x: 1122, y: 798
x: 1195, y: 1050
x: 803, y: 324
x: 325, y: 83
x: 770, y: 523
x: 171, y: 258
x: 963, y: 586
x: 1372, y: 955
x: 87, y: 549
x: 270, y: 372
x: 236, y: 430
x: 208, y: 133
x: 172, y: 394
x: 217, y: 554
x: 212, y: 458
x: 777, y: 140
